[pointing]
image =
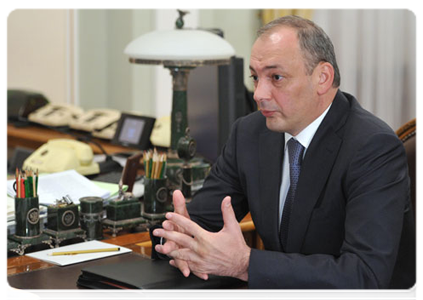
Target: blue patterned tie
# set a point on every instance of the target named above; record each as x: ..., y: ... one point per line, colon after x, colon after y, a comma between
x: 295, y: 151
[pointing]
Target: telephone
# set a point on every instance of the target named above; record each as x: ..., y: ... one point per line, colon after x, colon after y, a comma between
x: 95, y: 119
x: 59, y: 155
x: 55, y: 114
x: 20, y: 103
x: 160, y: 135
x: 107, y: 132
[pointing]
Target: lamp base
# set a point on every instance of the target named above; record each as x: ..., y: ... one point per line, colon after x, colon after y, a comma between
x: 200, y: 170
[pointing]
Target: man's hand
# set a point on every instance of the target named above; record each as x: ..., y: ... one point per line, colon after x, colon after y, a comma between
x: 181, y: 209
x: 224, y: 253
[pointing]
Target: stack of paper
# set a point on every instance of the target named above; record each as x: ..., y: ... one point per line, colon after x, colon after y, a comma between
x: 64, y: 260
x: 54, y: 186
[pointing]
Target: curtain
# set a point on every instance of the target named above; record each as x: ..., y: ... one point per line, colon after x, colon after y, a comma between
x: 376, y: 54
x: 268, y: 15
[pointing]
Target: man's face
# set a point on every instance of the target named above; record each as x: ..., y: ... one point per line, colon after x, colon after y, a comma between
x: 284, y: 92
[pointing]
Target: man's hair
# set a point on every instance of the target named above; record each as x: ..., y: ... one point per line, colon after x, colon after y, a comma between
x: 314, y: 43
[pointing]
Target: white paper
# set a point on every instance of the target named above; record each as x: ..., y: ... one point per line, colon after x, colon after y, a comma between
x: 10, y: 209
x: 64, y: 260
x: 52, y: 187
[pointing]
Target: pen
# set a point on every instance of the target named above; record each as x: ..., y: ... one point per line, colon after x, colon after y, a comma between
x: 84, y: 251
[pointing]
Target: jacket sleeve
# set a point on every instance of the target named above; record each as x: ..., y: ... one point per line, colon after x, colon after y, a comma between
x: 223, y: 180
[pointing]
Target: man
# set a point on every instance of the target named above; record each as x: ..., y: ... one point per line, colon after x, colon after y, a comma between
x: 325, y: 181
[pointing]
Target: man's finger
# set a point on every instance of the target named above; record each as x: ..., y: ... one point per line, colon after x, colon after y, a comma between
x: 184, y: 254
x: 167, y: 247
x: 181, y: 265
x: 188, y: 226
x: 180, y: 239
x: 169, y: 226
x: 179, y: 204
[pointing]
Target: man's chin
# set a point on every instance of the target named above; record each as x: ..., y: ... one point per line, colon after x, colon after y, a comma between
x: 275, y: 125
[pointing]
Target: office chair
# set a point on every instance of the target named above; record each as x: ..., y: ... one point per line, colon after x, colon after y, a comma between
x: 407, y: 134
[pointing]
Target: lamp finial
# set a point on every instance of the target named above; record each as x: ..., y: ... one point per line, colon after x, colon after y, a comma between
x: 180, y: 21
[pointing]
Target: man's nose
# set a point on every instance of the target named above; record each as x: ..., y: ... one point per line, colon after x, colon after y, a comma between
x: 261, y: 91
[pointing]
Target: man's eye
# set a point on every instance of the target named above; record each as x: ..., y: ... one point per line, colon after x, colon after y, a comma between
x: 277, y: 77
x: 254, y: 77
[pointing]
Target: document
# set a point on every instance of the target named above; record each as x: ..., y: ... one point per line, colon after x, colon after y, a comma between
x: 52, y: 187
x: 64, y: 260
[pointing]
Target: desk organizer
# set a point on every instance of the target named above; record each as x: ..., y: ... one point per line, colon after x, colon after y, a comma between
x: 28, y: 231
x: 63, y: 223
x: 91, y: 217
x: 155, y: 198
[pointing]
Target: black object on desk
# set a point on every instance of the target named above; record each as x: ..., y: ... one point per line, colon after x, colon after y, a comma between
x: 148, y: 274
x: 59, y: 282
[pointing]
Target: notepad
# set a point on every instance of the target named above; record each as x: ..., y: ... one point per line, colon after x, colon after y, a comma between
x: 64, y: 260
x: 52, y: 187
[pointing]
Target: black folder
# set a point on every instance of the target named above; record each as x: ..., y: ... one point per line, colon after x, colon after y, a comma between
x: 149, y: 274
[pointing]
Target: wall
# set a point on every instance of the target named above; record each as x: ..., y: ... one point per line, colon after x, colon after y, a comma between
x: 94, y: 72
x: 76, y: 56
x: 241, y: 33
x: 105, y: 76
x: 39, y: 52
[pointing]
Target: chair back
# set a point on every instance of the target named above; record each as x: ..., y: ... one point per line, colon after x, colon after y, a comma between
x: 409, y: 134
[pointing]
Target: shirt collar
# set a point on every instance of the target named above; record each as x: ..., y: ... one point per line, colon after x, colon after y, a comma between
x: 307, y: 134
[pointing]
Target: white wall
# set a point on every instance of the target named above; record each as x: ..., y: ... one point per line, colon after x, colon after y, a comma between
x: 77, y: 56
x: 38, y: 52
x: 41, y: 56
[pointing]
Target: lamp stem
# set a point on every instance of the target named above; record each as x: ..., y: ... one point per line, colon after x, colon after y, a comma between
x: 179, y: 117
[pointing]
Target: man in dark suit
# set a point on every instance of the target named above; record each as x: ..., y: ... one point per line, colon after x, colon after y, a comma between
x: 325, y: 181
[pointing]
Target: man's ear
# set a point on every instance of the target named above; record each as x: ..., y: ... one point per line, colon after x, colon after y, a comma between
x: 324, y: 73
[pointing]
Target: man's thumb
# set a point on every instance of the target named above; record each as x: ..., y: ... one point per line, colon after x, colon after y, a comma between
x: 179, y: 203
x: 228, y: 214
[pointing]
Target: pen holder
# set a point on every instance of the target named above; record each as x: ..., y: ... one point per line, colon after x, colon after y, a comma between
x: 62, y: 217
x: 27, y: 217
x: 91, y: 217
x: 155, y: 196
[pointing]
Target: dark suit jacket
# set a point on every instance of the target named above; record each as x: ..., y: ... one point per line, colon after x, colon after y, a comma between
x: 348, y: 213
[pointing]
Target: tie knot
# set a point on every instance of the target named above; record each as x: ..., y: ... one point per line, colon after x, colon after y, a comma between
x: 295, y: 151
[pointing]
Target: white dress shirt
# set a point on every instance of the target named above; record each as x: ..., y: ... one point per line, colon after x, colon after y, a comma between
x: 304, y: 138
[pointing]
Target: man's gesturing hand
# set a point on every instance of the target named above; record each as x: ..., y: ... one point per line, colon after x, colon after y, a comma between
x: 181, y: 209
x: 223, y: 253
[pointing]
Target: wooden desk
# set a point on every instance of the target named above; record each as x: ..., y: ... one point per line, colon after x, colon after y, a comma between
x: 60, y: 283
x: 33, y: 137
x: 51, y: 281
x: 138, y: 242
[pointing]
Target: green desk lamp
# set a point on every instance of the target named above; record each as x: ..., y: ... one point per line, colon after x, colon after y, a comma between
x: 179, y: 50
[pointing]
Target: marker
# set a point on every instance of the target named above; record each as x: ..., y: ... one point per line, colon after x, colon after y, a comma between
x: 84, y: 251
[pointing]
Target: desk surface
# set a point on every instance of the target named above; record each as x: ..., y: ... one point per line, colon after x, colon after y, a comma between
x: 34, y: 136
x: 138, y: 242
x: 22, y: 268
x: 60, y: 283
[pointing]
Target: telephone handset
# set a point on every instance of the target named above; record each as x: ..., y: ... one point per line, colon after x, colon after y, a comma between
x: 95, y: 119
x: 55, y: 114
x: 107, y: 132
x: 160, y: 135
x: 59, y: 155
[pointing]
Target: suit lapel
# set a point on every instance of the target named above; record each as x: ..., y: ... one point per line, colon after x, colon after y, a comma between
x: 316, y: 168
x: 270, y: 161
